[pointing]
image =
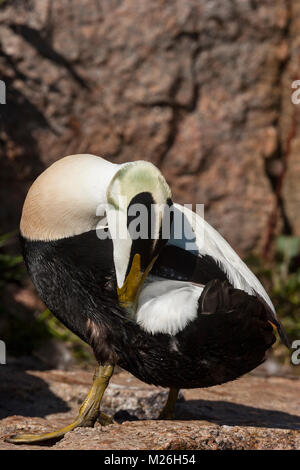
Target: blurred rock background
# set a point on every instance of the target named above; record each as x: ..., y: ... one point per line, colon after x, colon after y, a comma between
x: 202, y: 88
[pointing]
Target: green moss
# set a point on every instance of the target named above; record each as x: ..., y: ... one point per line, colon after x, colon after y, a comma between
x: 58, y: 331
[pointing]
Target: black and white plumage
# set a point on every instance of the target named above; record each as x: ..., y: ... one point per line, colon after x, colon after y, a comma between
x: 201, y: 317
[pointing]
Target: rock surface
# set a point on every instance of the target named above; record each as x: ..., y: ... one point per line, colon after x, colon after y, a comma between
x: 290, y: 126
x: 251, y: 413
x: 197, y: 87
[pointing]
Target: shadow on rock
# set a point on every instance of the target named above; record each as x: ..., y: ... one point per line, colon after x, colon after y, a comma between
x: 24, y: 394
x: 234, y: 414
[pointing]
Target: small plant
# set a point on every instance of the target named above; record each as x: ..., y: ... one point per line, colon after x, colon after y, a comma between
x: 286, y: 284
x: 11, y: 268
x: 58, y: 331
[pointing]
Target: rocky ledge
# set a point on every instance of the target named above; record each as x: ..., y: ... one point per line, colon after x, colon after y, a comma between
x: 253, y: 412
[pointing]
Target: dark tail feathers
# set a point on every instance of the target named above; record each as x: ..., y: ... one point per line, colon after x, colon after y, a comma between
x: 220, y: 297
x: 272, y: 319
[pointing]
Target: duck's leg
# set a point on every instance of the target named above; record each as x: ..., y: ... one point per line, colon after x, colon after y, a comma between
x: 168, y: 410
x: 87, y: 414
x: 105, y: 420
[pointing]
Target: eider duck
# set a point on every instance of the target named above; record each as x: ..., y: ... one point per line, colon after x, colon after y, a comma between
x: 176, y: 308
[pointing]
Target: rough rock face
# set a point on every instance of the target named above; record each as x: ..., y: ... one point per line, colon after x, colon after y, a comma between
x: 194, y: 86
x: 290, y: 127
x: 250, y: 413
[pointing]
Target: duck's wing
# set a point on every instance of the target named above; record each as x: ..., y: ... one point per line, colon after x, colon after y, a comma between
x: 196, y: 252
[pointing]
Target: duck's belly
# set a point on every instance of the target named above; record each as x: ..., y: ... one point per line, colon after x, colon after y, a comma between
x: 211, y: 350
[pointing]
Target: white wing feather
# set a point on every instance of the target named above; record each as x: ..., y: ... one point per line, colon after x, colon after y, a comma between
x: 209, y: 242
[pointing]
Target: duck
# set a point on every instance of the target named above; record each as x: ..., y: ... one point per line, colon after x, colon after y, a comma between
x: 146, y: 282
